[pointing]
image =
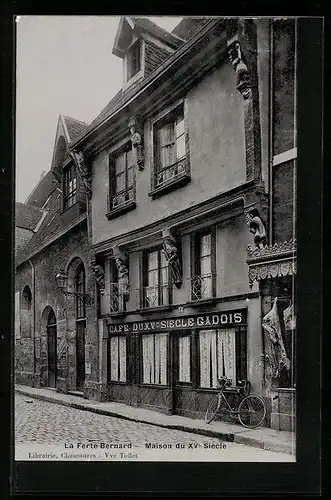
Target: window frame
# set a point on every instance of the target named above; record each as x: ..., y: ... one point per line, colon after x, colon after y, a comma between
x: 195, y: 270
x: 67, y: 195
x: 134, y: 78
x: 241, y: 370
x: 130, y: 203
x: 145, y: 253
x: 180, y: 177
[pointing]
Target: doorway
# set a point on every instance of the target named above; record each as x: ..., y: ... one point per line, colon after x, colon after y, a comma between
x: 80, y: 328
x: 51, y: 349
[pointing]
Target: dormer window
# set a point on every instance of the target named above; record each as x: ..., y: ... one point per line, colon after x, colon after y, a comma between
x: 134, y: 60
x: 69, y: 186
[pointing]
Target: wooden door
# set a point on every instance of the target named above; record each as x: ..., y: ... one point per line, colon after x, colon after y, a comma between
x: 80, y: 355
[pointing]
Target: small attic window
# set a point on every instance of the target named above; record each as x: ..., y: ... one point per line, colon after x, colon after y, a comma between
x: 134, y: 60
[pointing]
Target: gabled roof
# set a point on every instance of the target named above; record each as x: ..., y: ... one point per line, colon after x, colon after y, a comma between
x: 41, y: 191
x: 74, y: 127
x: 125, y: 95
x: 160, y: 33
x: 128, y: 25
x: 27, y: 217
x: 49, y: 226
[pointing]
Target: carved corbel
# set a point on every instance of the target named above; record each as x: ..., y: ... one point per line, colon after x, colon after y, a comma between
x: 121, y: 261
x: 242, y: 54
x: 257, y: 227
x: 236, y: 58
x: 99, y: 276
x: 171, y: 251
x: 137, y: 143
x: 84, y: 171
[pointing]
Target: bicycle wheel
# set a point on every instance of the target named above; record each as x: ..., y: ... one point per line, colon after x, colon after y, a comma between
x: 212, y: 408
x: 251, y: 411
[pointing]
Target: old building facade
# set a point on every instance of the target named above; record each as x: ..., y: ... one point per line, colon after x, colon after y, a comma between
x: 190, y: 164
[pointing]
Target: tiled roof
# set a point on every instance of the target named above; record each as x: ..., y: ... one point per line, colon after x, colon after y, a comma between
x: 189, y: 26
x: 41, y: 192
x: 108, y: 109
x: 123, y: 96
x: 49, y: 226
x: 158, y: 32
x: 27, y: 217
x: 75, y: 127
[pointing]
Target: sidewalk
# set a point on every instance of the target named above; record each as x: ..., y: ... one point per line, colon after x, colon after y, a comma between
x: 263, y: 437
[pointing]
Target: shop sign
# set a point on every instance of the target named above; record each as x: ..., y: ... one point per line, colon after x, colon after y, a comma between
x: 221, y: 319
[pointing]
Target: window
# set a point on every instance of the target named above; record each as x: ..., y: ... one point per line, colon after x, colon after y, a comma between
x: 156, y: 289
x: 117, y: 290
x: 217, y: 356
x: 70, y: 186
x: 203, y: 262
x: 154, y: 358
x: 118, y: 358
x: 134, y: 60
x: 80, y: 288
x: 122, y: 180
x: 170, y: 149
x: 184, y: 358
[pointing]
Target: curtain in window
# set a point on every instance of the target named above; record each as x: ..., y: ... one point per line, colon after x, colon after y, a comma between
x: 122, y: 358
x: 184, y: 344
x: 114, y: 358
x: 227, y: 338
x: 154, y: 358
x: 118, y: 358
x: 217, y: 356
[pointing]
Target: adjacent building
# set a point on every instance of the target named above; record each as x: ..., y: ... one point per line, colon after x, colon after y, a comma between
x: 182, y: 226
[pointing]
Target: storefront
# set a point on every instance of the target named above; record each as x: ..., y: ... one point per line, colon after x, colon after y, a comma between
x: 274, y: 268
x: 171, y: 364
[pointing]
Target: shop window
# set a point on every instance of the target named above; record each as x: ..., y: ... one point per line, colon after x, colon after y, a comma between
x: 69, y: 186
x: 171, y: 168
x: 218, y: 356
x: 122, y: 185
x: 156, y: 289
x: 118, y: 358
x: 134, y: 60
x: 154, y: 358
x: 184, y: 358
x: 286, y: 314
x: 202, y: 282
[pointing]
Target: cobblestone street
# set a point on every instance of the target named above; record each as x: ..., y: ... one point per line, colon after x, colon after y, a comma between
x: 42, y: 423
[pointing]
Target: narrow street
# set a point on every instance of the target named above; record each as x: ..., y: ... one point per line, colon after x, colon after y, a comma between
x: 40, y: 426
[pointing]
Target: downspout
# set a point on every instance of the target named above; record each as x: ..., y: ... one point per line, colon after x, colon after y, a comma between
x: 34, y: 321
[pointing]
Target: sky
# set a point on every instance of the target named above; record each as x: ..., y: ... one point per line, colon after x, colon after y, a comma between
x: 64, y: 65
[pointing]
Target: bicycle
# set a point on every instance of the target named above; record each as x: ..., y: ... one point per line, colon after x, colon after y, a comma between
x: 251, y: 408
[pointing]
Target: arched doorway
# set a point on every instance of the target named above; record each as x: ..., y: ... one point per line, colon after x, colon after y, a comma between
x: 80, y: 327
x: 26, y: 312
x: 51, y: 349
